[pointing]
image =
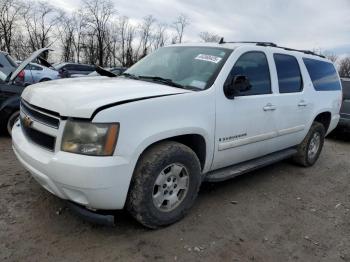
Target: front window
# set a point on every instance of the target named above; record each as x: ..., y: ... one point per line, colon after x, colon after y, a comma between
x: 190, y: 67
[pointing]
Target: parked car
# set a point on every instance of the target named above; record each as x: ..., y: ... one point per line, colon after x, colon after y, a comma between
x: 9, y: 103
x: 10, y: 93
x: 7, y: 63
x: 69, y: 69
x: 344, y: 122
x: 182, y: 115
x: 35, y: 73
x: 115, y: 70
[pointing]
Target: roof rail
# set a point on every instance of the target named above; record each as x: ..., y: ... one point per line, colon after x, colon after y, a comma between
x: 270, y: 44
x: 248, y: 42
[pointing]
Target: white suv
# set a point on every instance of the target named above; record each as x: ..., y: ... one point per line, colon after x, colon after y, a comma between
x: 182, y: 115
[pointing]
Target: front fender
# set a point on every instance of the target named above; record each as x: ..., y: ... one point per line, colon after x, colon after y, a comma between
x: 147, y: 142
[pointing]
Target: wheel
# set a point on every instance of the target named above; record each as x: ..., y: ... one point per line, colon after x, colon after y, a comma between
x: 11, y: 121
x: 309, y: 150
x: 165, y: 184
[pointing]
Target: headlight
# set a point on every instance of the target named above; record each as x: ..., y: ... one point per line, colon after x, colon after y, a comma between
x: 90, y: 138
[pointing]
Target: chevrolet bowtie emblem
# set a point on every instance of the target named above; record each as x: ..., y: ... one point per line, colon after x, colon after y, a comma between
x: 27, y: 121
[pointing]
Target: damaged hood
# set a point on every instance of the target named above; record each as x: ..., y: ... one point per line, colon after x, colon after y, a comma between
x: 80, y: 97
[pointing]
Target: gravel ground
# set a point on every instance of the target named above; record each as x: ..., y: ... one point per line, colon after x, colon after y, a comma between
x: 279, y: 213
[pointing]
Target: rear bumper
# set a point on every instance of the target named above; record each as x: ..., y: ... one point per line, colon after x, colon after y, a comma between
x: 95, y: 182
x: 334, y: 122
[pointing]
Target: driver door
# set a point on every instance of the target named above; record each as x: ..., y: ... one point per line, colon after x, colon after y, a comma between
x: 245, y: 125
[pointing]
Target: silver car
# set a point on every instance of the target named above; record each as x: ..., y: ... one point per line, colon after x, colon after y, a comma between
x: 34, y: 73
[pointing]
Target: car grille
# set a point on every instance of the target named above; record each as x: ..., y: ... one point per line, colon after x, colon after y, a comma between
x: 40, y: 117
x: 35, y: 115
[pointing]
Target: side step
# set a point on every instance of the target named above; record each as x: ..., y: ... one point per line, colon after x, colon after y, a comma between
x: 225, y: 173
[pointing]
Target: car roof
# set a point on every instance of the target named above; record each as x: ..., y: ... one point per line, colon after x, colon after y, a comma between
x: 262, y: 45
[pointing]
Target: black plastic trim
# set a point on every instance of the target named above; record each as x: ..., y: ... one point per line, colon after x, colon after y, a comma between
x: 90, y: 216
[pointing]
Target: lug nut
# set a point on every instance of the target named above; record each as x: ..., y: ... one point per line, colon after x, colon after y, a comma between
x: 171, y: 192
x: 164, y: 186
x: 165, y: 192
x: 175, y: 186
x: 169, y: 179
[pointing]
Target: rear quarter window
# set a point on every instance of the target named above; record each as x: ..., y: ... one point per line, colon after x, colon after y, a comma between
x: 323, y: 75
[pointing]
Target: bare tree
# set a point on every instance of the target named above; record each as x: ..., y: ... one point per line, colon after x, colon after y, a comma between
x: 40, y: 20
x: 9, y: 17
x: 344, y: 67
x: 331, y: 56
x: 209, y: 37
x: 66, y: 34
x: 98, y: 14
x: 160, y: 36
x: 180, y: 24
x: 146, y: 34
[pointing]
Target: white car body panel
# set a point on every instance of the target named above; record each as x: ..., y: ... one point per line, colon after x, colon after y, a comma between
x: 103, y: 182
x: 80, y: 97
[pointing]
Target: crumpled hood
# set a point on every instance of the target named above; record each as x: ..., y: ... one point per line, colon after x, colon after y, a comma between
x: 80, y: 97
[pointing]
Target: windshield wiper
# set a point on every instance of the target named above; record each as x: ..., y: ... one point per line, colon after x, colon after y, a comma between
x: 132, y: 76
x: 162, y: 80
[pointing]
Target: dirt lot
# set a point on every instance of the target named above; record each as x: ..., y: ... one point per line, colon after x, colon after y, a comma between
x: 279, y: 213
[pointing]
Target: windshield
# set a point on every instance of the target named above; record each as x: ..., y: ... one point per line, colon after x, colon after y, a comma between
x: 192, y: 67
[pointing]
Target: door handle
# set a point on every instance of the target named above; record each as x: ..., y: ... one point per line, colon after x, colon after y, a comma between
x: 269, y: 107
x: 302, y: 103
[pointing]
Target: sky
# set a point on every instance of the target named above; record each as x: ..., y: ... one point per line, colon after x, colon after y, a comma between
x: 305, y: 24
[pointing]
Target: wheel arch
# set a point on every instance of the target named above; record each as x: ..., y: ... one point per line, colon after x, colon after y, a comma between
x: 324, y: 118
x: 196, y: 142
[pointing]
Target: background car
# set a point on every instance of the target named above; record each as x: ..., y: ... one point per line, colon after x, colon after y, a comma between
x: 7, y: 63
x: 35, y: 73
x: 115, y: 70
x: 10, y: 92
x: 344, y: 122
x: 69, y: 69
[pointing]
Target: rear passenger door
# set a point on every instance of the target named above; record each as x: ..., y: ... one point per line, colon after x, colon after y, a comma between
x: 294, y: 109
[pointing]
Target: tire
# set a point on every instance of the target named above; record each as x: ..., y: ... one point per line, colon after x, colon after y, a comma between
x: 150, y: 187
x: 309, y: 150
x: 44, y: 80
x: 11, y: 121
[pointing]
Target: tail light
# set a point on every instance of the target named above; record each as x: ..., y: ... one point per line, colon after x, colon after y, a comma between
x: 21, y: 76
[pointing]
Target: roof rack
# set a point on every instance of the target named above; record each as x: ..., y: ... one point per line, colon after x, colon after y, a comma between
x: 270, y: 44
x: 248, y: 42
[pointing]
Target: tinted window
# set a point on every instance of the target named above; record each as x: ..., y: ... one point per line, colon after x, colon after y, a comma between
x: 346, y: 88
x: 323, y: 75
x: 288, y: 72
x: 254, y: 65
x: 70, y: 67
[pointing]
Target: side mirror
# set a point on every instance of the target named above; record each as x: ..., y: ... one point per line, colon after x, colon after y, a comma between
x: 236, y: 85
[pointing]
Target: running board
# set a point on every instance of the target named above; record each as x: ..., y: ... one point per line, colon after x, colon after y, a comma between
x: 225, y: 173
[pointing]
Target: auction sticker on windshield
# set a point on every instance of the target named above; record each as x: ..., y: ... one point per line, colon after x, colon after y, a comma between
x: 209, y: 58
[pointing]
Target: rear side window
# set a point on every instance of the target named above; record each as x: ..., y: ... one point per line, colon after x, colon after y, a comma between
x: 84, y: 68
x: 288, y: 72
x: 254, y: 65
x: 323, y: 75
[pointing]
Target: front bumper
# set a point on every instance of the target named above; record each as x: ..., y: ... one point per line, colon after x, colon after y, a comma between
x: 94, y: 182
